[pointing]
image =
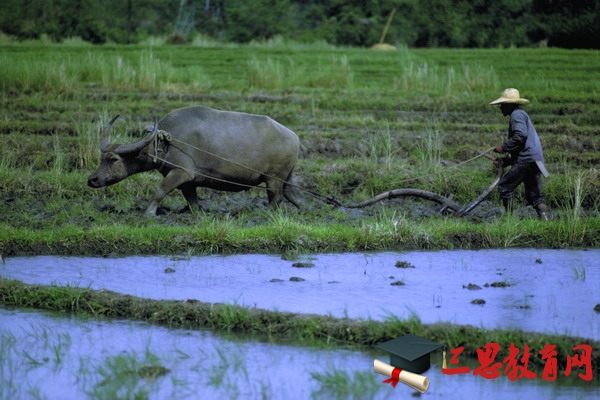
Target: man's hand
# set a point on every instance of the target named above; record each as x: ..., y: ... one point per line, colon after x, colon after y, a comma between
x: 498, y: 149
x: 499, y: 162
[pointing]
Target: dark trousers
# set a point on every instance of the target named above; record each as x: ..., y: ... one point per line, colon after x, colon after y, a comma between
x: 527, y: 173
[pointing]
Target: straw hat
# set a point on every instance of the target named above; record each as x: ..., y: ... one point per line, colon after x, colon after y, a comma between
x: 510, y: 96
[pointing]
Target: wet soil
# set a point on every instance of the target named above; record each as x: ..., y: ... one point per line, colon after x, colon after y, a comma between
x: 247, y: 208
x: 251, y: 212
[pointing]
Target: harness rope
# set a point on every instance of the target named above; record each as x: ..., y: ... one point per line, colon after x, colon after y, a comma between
x: 166, y: 136
x: 481, y: 154
x: 163, y: 135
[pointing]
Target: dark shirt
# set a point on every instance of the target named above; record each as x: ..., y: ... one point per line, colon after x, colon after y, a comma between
x: 523, y: 142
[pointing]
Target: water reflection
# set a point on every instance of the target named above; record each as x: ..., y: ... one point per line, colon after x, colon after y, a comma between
x: 47, y: 356
x: 550, y: 291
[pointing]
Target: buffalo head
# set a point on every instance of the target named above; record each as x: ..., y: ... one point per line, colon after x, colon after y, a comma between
x: 118, y: 161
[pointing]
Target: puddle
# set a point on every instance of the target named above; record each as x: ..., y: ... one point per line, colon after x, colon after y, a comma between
x: 48, y: 356
x: 549, y: 291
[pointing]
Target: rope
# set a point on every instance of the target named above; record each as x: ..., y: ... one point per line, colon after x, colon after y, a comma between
x: 481, y: 154
x: 162, y: 135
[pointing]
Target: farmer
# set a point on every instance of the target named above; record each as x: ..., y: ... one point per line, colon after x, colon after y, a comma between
x: 524, y: 154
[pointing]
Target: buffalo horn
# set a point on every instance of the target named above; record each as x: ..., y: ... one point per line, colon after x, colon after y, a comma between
x: 104, y: 139
x: 137, y: 146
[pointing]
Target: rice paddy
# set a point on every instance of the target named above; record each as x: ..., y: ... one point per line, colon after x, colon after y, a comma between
x: 368, y: 122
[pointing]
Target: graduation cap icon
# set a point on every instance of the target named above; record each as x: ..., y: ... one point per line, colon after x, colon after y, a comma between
x: 410, y: 352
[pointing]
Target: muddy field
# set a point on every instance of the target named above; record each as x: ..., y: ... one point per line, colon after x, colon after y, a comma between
x: 368, y: 122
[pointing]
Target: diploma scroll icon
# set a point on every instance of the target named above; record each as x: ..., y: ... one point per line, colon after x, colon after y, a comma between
x: 415, y: 381
x: 409, y: 357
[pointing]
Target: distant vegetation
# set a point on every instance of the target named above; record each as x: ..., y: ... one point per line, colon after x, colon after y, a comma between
x: 415, y: 23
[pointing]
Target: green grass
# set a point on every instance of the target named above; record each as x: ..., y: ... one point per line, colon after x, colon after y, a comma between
x: 127, y: 375
x: 283, y: 234
x: 340, y: 384
x: 330, y: 72
x: 64, y: 74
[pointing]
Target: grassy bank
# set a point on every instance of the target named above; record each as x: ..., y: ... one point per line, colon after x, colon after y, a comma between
x: 368, y: 122
x: 279, y: 326
x: 288, y: 235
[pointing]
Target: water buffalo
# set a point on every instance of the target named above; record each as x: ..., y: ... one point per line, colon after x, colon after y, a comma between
x: 201, y: 146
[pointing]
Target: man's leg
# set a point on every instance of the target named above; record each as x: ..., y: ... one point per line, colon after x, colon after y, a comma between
x: 507, y: 185
x: 508, y: 204
x: 542, y: 211
x: 533, y: 193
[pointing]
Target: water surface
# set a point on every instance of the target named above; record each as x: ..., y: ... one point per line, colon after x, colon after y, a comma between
x: 44, y: 355
x: 550, y: 291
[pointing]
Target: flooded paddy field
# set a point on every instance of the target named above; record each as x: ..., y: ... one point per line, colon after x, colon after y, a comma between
x: 48, y: 356
x: 546, y: 291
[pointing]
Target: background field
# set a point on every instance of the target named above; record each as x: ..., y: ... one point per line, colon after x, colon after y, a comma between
x: 368, y: 122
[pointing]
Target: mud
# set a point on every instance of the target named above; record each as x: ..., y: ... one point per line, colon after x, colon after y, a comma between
x: 248, y: 208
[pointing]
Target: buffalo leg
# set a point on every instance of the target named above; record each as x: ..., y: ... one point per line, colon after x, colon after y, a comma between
x: 174, y: 179
x: 289, y: 191
x: 274, y: 192
x: 189, y: 192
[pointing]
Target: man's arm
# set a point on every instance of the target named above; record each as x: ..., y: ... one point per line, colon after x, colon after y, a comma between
x: 518, y: 127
